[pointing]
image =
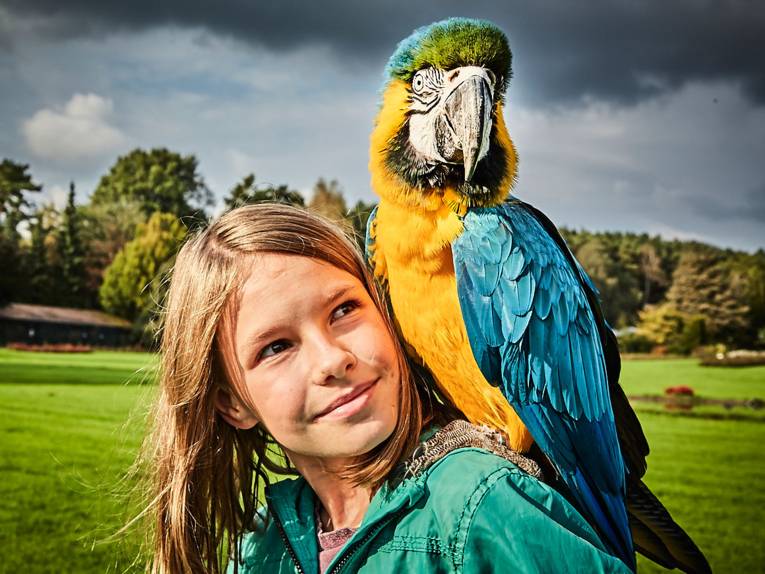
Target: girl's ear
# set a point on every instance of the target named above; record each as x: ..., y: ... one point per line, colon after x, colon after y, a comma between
x: 234, y: 412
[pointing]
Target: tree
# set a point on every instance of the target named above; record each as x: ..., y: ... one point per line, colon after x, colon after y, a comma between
x: 106, y: 228
x: 667, y: 327
x: 42, y: 261
x: 159, y: 179
x: 11, y: 280
x: 328, y: 200
x: 703, y: 284
x: 651, y: 270
x: 127, y: 290
x: 358, y: 216
x: 245, y: 192
x: 72, y: 290
x: 14, y: 182
x: 754, y: 271
x: 619, y: 295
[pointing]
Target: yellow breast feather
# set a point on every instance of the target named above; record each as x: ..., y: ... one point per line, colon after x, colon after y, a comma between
x: 413, y: 246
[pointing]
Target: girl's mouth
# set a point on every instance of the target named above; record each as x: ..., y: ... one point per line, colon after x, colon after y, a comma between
x: 350, y: 403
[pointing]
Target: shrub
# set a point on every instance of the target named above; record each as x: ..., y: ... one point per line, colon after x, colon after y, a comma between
x: 740, y: 358
x: 635, y: 343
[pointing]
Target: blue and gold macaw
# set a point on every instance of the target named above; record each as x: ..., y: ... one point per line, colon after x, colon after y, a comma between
x: 487, y: 295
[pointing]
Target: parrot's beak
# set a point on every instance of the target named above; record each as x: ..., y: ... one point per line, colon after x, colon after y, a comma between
x: 465, y: 124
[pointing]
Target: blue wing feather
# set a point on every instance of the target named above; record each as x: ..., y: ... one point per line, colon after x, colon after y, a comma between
x: 525, y: 307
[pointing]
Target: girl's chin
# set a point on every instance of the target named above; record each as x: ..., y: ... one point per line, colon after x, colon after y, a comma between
x: 344, y: 441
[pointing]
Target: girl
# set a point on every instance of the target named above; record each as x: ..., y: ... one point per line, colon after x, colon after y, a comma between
x: 279, y: 357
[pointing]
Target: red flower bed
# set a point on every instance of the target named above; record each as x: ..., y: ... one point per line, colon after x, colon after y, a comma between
x: 50, y: 348
x: 679, y: 391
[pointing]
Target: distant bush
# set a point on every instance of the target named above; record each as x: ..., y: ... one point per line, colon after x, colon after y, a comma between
x: 740, y: 358
x: 679, y: 333
x: 50, y: 348
x: 635, y: 343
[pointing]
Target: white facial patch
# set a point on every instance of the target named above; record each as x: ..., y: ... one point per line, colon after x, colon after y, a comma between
x: 431, y: 89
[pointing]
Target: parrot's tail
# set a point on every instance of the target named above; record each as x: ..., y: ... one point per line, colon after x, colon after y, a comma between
x: 657, y: 536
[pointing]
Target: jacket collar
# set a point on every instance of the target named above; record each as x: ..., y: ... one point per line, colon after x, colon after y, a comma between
x: 292, y: 503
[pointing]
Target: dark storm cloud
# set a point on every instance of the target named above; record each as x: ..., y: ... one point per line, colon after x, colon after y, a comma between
x: 615, y: 50
x: 748, y: 205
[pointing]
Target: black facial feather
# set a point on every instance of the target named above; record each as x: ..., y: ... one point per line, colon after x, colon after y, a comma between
x: 427, y: 176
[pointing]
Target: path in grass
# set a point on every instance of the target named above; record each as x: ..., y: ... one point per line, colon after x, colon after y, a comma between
x: 63, y: 446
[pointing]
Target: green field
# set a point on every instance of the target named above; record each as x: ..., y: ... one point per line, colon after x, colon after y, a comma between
x: 70, y: 426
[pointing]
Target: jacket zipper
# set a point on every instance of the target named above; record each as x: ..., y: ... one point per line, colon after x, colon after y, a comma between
x: 287, y: 545
x: 359, y: 543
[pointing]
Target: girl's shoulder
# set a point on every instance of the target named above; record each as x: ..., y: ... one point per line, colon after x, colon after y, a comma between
x: 493, y: 504
x: 476, y: 448
x: 460, y: 459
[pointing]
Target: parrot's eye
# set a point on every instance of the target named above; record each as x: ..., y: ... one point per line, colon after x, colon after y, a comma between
x: 427, y: 81
x: 492, y: 77
x: 418, y: 83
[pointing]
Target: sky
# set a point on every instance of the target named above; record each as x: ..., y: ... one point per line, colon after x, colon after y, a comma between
x: 628, y: 115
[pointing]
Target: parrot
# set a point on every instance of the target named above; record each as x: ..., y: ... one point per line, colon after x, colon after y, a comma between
x: 487, y: 296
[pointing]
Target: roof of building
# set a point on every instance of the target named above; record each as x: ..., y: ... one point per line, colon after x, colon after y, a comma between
x: 67, y: 315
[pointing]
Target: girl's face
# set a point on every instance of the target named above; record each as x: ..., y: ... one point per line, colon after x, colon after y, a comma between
x: 317, y: 360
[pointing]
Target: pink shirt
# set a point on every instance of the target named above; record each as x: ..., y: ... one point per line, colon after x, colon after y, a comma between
x: 330, y: 544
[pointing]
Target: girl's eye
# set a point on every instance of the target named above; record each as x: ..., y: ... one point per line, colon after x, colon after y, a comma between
x: 274, y: 349
x: 345, y: 308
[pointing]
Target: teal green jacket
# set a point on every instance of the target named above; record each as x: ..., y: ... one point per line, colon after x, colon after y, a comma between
x: 471, y: 511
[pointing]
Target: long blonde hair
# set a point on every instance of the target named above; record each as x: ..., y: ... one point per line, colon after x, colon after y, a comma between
x: 206, y: 476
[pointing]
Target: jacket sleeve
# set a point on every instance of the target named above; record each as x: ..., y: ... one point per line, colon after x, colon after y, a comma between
x: 514, y: 523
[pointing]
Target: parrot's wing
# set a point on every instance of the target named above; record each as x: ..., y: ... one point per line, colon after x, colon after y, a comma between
x: 631, y: 437
x: 534, y: 335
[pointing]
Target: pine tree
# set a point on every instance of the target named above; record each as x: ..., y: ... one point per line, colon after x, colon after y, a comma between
x: 39, y: 269
x: 14, y: 182
x: 71, y: 256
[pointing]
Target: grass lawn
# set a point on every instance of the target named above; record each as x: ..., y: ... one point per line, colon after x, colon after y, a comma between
x: 69, y: 428
x: 100, y: 367
x: 63, y: 448
x: 651, y: 377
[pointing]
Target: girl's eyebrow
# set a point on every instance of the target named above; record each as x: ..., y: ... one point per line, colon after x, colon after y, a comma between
x: 252, y: 341
x: 338, y: 294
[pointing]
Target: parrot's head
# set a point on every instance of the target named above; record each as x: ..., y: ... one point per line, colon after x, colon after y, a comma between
x: 440, y: 131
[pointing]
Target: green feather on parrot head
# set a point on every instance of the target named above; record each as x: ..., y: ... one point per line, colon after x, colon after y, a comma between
x: 440, y: 124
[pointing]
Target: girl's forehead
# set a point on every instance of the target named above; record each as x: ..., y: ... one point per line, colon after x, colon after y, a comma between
x: 277, y: 273
x: 282, y: 288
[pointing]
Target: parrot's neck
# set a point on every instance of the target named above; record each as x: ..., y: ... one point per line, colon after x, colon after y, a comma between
x: 421, y: 236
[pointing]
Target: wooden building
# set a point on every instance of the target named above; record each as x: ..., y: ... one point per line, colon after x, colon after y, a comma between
x: 41, y: 324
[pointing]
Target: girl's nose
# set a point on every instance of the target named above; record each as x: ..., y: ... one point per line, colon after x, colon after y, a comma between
x: 331, y: 359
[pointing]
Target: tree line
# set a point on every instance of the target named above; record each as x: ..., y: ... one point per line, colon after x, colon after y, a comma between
x: 114, y: 251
